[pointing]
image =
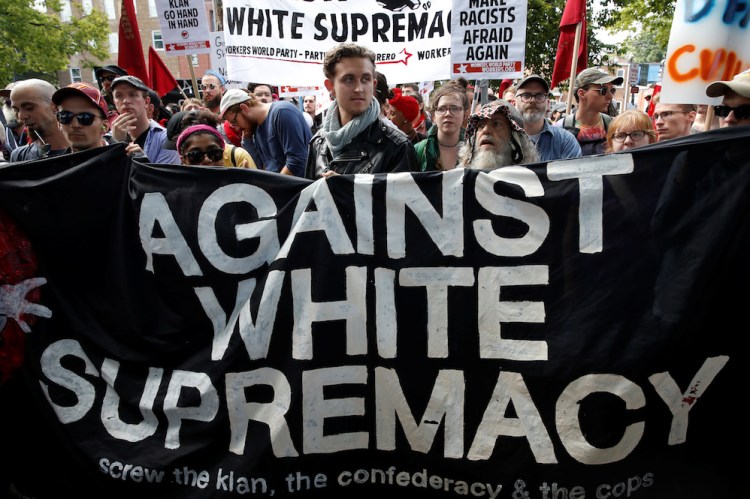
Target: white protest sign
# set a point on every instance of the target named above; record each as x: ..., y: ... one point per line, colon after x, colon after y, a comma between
x: 489, y: 39
x: 284, y: 42
x: 184, y: 26
x: 709, y: 41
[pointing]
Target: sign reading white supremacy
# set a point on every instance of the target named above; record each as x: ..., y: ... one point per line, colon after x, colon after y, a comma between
x: 285, y: 41
x: 569, y: 329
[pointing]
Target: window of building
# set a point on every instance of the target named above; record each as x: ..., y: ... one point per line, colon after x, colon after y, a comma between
x: 156, y: 40
x: 152, y: 8
x: 75, y: 75
x: 88, y: 6
x: 621, y: 74
x: 66, y: 14
x: 109, y: 8
x: 114, y: 43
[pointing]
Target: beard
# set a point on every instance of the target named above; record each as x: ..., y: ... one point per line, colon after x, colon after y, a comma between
x: 490, y: 159
x: 533, y: 115
x: 213, y: 102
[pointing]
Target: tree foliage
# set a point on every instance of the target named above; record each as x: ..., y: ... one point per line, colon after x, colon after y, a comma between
x: 40, y: 43
x: 649, y: 21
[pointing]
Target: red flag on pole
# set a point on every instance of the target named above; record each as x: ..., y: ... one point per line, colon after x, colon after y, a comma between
x: 131, y: 57
x: 574, y: 13
x: 162, y: 81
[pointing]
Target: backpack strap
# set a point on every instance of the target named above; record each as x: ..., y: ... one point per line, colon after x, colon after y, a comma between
x: 234, y: 156
x: 569, y: 123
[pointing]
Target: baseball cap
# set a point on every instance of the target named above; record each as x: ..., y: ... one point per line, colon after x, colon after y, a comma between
x: 232, y: 97
x: 593, y: 76
x: 81, y: 89
x: 531, y: 78
x: 111, y: 68
x: 740, y: 84
x: 132, y: 80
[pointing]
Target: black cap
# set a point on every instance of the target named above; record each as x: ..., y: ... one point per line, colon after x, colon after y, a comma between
x: 174, y: 127
x: 536, y: 78
x: 110, y: 69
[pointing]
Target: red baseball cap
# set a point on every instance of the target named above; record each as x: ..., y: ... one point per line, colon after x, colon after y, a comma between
x: 82, y: 89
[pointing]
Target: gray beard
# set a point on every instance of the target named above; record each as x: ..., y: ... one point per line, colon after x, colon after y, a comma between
x: 533, y: 116
x: 489, y: 160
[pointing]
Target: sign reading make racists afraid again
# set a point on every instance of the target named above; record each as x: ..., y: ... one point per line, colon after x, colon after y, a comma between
x: 567, y: 329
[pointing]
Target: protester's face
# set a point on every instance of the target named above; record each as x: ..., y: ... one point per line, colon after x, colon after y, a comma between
x: 263, y: 93
x: 592, y: 97
x: 352, y: 86
x: 398, y: 119
x: 449, y: 123
x: 212, y: 91
x: 622, y: 139
x: 199, y: 143
x: 242, y: 119
x: 82, y: 137
x: 733, y: 99
x: 309, y: 104
x: 671, y: 121
x: 493, y: 133
x: 37, y: 113
x: 129, y: 99
x: 106, y: 78
x: 532, y: 111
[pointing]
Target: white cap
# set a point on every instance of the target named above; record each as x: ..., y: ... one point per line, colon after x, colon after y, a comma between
x: 232, y: 97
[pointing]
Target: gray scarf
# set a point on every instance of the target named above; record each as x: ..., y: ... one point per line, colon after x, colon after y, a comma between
x: 339, y: 136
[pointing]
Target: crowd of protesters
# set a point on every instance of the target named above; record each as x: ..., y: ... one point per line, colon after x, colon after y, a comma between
x: 369, y: 126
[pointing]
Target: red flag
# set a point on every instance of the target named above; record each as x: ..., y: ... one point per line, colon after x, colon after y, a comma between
x: 652, y: 101
x: 574, y: 13
x: 162, y: 80
x: 131, y: 57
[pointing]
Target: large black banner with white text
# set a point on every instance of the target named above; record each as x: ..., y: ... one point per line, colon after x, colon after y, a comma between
x: 564, y: 330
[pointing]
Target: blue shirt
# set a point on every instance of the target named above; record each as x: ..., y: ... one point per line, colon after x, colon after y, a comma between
x: 282, y: 139
x: 557, y: 143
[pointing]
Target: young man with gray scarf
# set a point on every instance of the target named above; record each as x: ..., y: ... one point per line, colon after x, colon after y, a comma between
x: 354, y: 138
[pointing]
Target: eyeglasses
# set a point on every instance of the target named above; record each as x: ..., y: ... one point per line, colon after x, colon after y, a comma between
x: 194, y: 157
x: 538, y: 98
x: 604, y: 90
x: 665, y: 114
x: 635, y: 136
x: 740, y: 112
x: 84, y: 118
x: 448, y: 109
x: 210, y: 86
x: 108, y: 78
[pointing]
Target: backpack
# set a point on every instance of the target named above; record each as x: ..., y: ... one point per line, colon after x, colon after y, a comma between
x: 569, y: 123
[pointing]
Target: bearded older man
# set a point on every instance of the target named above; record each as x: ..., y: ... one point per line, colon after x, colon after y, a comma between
x: 495, y: 138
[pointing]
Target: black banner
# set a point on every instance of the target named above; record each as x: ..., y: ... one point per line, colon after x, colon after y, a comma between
x: 563, y: 330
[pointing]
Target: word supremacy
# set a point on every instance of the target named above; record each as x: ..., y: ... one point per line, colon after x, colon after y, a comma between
x: 162, y: 237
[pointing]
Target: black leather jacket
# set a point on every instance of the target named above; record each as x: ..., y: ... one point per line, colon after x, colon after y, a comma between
x: 378, y: 149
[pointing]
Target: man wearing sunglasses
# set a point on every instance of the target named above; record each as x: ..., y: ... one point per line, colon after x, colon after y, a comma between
x: 735, y: 107
x: 593, y: 91
x: 105, y: 76
x: 31, y: 100
x: 212, y: 86
x: 82, y: 114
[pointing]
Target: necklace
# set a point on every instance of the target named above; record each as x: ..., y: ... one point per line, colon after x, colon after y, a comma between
x: 446, y: 145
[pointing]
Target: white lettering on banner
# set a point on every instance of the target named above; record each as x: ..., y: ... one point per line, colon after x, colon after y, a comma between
x: 446, y: 403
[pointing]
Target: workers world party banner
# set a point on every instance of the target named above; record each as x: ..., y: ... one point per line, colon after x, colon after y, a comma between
x: 568, y: 329
x: 283, y: 42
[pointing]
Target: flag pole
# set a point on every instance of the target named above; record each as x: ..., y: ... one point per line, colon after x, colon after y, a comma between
x: 573, y: 67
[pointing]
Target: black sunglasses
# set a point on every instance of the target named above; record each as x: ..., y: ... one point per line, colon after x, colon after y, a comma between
x: 740, y: 112
x: 195, y: 157
x: 107, y: 78
x: 85, y: 118
x: 605, y: 90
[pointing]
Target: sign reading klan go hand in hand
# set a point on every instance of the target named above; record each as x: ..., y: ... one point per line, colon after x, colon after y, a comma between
x: 184, y: 26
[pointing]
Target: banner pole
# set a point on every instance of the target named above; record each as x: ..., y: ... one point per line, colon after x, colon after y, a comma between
x: 573, y: 67
x: 708, y: 120
x: 192, y: 75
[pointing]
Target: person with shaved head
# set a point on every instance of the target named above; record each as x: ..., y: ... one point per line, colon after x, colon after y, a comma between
x: 31, y: 100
